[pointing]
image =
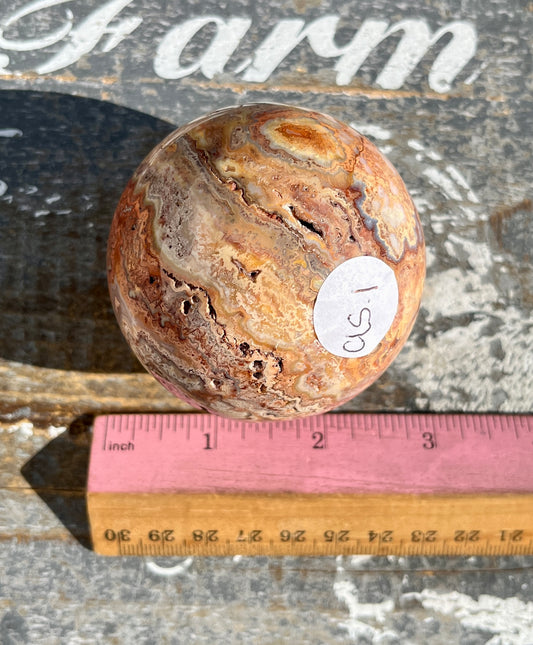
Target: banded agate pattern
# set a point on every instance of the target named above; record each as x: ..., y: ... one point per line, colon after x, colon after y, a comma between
x: 222, y: 240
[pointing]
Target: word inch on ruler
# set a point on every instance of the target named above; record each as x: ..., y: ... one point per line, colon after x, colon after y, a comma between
x: 184, y: 484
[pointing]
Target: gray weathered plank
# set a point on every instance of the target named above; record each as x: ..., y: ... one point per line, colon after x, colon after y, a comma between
x: 464, y: 152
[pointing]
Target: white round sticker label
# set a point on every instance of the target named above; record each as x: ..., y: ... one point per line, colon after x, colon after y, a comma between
x: 355, y: 306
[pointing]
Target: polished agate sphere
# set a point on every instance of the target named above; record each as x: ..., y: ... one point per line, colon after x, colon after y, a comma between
x: 266, y: 262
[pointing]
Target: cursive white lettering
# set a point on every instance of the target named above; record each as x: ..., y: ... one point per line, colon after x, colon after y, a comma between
x: 34, y: 43
x: 225, y: 35
x: 284, y: 38
x: 89, y: 32
x: 226, y: 40
x: 414, y: 44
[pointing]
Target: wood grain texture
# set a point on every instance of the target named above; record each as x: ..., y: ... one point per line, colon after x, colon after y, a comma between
x: 464, y: 153
x: 298, y: 525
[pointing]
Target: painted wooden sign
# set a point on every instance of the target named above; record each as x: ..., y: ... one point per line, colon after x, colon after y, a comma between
x: 87, y: 88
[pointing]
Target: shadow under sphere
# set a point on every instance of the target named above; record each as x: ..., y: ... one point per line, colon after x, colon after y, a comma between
x: 64, y: 162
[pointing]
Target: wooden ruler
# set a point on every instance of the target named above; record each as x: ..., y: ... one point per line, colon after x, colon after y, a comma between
x: 334, y: 484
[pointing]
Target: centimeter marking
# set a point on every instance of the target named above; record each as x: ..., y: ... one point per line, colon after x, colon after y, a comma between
x: 336, y: 483
x: 147, y: 546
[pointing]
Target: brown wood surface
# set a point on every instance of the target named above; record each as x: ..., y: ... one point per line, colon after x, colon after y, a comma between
x: 297, y: 525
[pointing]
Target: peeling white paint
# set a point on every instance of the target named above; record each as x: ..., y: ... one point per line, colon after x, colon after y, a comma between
x: 355, y: 561
x: 479, y: 256
x: 434, y: 156
x: 461, y: 181
x: 450, y: 183
x: 364, y: 620
x: 470, y: 375
x: 10, y: 132
x: 361, y: 614
x: 509, y: 620
x: 431, y: 257
x: 472, y: 78
x: 470, y: 292
x: 55, y: 431
x: 440, y: 180
x: 372, y: 130
x: 415, y: 145
x: 179, y: 569
x: 4, y: 62
x: 23, y: 429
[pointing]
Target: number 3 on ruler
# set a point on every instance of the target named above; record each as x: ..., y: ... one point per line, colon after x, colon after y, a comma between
x: 429, y: 440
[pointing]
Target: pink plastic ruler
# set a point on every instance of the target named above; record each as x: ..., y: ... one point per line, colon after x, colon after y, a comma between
x: 408, y: 462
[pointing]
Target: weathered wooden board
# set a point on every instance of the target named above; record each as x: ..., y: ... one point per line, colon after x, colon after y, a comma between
x: 87, y: 88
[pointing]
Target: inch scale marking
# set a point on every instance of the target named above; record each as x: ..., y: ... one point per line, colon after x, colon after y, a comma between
x: 185, y: 484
